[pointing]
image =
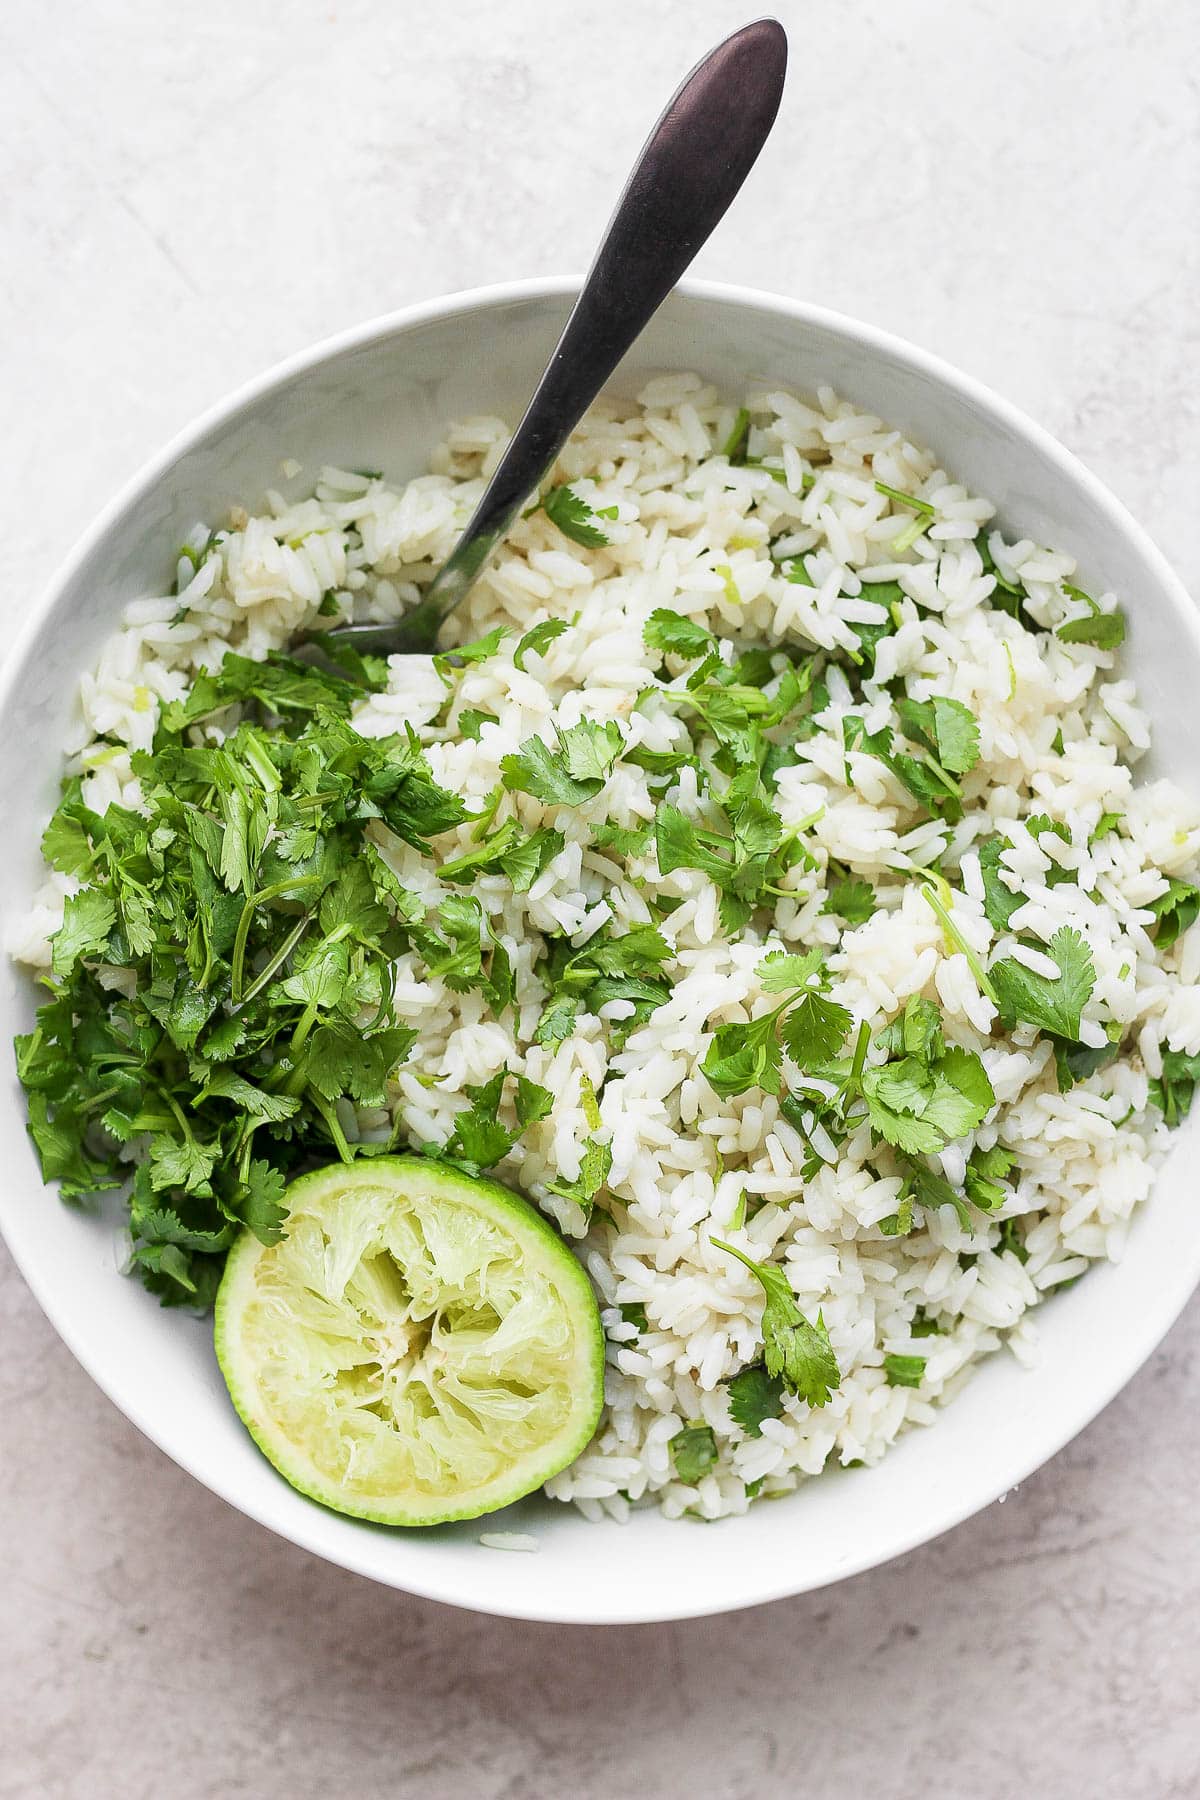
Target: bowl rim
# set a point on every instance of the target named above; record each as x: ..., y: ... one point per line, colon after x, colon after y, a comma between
x: 1146, y: 1334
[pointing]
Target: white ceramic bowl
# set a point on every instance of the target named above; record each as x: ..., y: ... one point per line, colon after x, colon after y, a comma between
x: 379, y: 396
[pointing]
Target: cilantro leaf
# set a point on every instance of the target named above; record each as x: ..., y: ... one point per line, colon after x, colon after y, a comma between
x: 65, y: 844
x: 1172, y: 1091
x: 851, y: 899
x: 573, y: 516
x: 814, y: 1029
x: 538, y: 638
x: 259, y: 1201
x: 986, y: 1171
x: 783, y: 973
x: 480, y: 650
x: 743, y: 1056
x: 574, y: 772
x: 999, y: 900
x: 479, y: 1139
x: 1053, y: 1006
x: 798, y: 1353
x: 624, y: 840
x: 666, y: 630
x: 754, y: 1396
x: 471, y: 721
x: 945, y: 727
x: 594, y: 1169
x: 591, y: 748
x: 88, y: 918
x: 557, y: 1022
x: 523, y: 862
x: 1105, y: 630
x: 904, y: 1371
x: 694, y: 1453
x: 957, y: 735
x: 919, y: 1106
x: 533, y: 1102
x: 1176, y: 910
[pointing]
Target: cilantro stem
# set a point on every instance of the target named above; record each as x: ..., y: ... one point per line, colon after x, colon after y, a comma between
x: 942, y: 774
x: 257, y: 899
x: 854, y: 1079
x: 179, y: 1115
x: 907, y: 538
x: 330, y: 1117
x: 278, y: 959
x: 268, y: 775
x: 308, y: 1019
x: 922, y: 506
x: 735, y: 444
x: 956, y: 937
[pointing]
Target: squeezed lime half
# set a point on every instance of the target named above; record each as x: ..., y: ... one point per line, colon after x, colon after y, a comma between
x: 420, y: 1346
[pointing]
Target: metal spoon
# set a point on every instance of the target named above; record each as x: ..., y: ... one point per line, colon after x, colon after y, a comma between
x: 693, y: 164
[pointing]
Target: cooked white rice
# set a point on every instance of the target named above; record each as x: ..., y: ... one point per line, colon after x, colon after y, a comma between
x: 696, y: 535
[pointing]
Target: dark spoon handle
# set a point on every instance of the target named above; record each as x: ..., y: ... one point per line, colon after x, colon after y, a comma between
x: 693, y: 164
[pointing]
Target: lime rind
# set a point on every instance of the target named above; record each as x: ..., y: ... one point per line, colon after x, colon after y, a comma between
x: 421, y: 1346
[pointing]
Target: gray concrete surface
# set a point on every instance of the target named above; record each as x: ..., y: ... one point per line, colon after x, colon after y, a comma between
x: 188, y: 192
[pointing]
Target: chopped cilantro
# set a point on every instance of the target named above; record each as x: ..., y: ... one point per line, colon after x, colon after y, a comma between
x: 946, y: 728
x: 258, y: 925
x: 1105, y: 825
x: 479, y: 650
x: 811, y: 1026
x: 904, y: 1371
x: 694, y: 1453
x: 1175, y: 910
x: 1172, y: 1091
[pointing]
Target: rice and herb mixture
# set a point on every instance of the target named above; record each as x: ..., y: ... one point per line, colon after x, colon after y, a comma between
x: 762, y: 889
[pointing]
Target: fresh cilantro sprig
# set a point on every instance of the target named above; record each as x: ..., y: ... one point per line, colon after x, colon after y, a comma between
x: 808, y: 1024
x: 1103, y: 630
x: 947, y: 741
x: 796, y: 1352
x: 693, y: 1453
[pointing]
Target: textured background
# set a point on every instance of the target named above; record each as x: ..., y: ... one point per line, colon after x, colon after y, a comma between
x: 191, y: 192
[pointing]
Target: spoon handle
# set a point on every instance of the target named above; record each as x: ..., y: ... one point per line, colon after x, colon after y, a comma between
x: 692, y: 166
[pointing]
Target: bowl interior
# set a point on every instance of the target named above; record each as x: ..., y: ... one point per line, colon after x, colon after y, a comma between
x: 381, y: 397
